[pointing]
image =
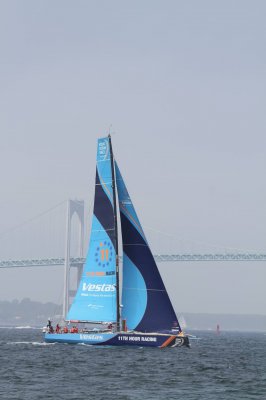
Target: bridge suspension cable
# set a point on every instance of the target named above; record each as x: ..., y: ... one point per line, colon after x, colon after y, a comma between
x: 161, y: 258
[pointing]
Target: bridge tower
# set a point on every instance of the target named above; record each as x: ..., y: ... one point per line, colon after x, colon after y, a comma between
x: 73, y: 207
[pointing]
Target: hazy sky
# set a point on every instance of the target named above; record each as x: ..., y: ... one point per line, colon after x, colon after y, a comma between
x: 183, y: 85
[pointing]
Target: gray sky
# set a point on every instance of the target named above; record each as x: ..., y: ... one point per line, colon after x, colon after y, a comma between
x: 183, y: 85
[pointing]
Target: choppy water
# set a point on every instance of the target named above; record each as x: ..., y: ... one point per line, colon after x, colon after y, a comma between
x: 229, y: 366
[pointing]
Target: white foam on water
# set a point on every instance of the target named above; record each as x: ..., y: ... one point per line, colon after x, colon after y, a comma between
x: 27, y: 327
x: 32, y: 343
x: 21, y: 327
x: 85, y: 344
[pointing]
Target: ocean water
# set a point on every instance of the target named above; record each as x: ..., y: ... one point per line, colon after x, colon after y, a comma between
x: 226, y: 366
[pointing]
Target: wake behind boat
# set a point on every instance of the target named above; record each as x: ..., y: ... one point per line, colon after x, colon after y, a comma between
x: 146, y: 316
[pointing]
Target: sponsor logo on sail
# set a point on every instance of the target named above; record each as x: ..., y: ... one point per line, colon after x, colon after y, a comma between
x: 104, y: 254
x: 103, y: 149
x: 99, y: 273
x: 103, y: 287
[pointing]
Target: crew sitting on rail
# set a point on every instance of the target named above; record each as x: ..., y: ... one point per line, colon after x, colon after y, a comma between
x: 57, y: 328
x: 65, y: 330
x: 74, y: 329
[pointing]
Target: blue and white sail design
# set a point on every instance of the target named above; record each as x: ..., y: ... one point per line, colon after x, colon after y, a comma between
x: 96, y: 296
x: 146, y: 304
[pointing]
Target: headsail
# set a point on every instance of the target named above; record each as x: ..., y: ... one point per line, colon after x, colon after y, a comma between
x: 96, y: 298
x: 146, y: 305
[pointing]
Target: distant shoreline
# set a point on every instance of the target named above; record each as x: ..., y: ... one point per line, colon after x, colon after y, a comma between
x: 27, y: 313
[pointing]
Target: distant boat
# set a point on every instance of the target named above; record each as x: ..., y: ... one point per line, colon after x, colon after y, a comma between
x: 146, y: 316
x: 218, y: 329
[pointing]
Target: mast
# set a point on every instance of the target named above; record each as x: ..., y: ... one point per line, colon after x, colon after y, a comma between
x: 116, y: 238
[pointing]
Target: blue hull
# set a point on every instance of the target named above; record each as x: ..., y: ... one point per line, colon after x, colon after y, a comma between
x: 118, y: 339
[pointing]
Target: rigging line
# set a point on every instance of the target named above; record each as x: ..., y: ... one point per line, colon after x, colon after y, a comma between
x: 152, y: 290
x: 14, y: 228
x: 103, y: 230
x: 216, y: 246
x: 60, y: 299
x: 135, y: 244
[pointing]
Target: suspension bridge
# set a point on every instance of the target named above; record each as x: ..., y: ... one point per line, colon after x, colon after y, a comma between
x: 41, y: 238
x: 76, y: 208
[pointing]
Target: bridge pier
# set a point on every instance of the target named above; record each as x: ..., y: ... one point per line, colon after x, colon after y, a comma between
x: 73, y: 207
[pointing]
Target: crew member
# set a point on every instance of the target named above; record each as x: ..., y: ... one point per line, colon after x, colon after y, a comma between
x: 50, y: 328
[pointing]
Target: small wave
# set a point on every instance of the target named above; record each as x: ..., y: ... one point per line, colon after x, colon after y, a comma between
x: 192, y: 337
x: 33, y: 343
x: 85, y: 344
x: 6, y: 327
x: 27, y: 327
x: 23, y: 327
x: 20, y: 327
x: 42, y: 344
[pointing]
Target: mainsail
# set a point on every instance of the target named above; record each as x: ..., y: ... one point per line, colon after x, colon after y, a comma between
x: 146, y: 305
x: 96, y: 298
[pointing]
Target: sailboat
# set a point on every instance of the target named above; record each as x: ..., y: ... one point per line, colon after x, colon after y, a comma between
x: 137, y: 312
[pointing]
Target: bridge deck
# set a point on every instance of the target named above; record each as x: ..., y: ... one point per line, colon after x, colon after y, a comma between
x: 75, y: 261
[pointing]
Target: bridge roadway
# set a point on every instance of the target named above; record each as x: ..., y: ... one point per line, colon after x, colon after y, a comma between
x: 75, y: 261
